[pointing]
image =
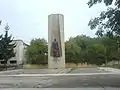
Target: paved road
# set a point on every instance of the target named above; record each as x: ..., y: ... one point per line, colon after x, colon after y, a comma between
x: 60, y: 89
x: 59, y: 81
x: 87, y: 81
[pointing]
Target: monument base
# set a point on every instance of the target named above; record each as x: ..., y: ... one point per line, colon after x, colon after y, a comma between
x: 56, y: 62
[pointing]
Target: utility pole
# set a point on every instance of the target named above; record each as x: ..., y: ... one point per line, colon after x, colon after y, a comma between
x: 118, y: 46
x: 0, y: 22
x: 105, y: 51
x: 45, y: 54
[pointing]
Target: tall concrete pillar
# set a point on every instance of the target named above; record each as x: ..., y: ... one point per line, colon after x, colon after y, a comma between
x: 56, y: 45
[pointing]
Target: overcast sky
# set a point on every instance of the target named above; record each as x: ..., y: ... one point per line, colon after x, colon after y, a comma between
x: 29, y: 18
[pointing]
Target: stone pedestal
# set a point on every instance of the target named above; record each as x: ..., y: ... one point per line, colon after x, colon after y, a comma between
x: 56, y: 31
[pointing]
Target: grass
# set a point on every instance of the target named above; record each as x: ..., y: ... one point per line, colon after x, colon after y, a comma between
x: 68, y: 65
x: 114, y: 66
x: 1, y: 69
x: 30, y: 66
x: 72, y: 65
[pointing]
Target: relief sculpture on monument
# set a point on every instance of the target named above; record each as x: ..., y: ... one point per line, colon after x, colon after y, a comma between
x: 55, y: 49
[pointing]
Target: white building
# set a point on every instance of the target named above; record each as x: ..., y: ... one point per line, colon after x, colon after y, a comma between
x: 19, y: 58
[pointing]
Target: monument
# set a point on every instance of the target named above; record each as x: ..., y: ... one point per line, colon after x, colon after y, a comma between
x: 56, y: 45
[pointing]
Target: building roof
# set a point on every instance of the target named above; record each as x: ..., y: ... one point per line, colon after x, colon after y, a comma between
x: 21, y: 41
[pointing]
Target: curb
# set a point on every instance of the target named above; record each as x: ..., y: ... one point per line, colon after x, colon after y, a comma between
x: 42, y: 75
x: 109, y: 69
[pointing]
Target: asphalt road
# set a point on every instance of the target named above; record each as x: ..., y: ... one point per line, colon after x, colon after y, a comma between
x: 60, y: 81
x: 87, y: 81
x: 61, y: 89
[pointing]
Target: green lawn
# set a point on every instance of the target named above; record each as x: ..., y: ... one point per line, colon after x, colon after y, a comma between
x: 114, y: 66
x: 30, y: 66
x: 68, y: 65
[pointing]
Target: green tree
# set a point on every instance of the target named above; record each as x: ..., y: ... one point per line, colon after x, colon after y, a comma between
x: 37, y: 51
x: 108, y: 21
x: 81, y: 42
x: 98, y: 50
x: 95, y: 54
x: 72, y: 52
x: 76, y: 48
x: 6, y: 47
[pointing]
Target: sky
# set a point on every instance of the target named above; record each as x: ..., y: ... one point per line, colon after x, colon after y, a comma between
x: 28, y: 19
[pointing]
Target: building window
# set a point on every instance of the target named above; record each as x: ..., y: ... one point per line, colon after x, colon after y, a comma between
x: 13, y: 62
x: 2, y: 62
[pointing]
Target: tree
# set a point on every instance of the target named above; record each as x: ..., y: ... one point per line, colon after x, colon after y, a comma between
x: 83, y: 49
x: 108, y: 21
x: 95, y: 54
x: 72, y: 52
x: 108, y: 24
x: 6, y: 46
x: 75, y: 49
x: 36, y: 52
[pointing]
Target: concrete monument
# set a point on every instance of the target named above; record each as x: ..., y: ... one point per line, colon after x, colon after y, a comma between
x: 56, y: 45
